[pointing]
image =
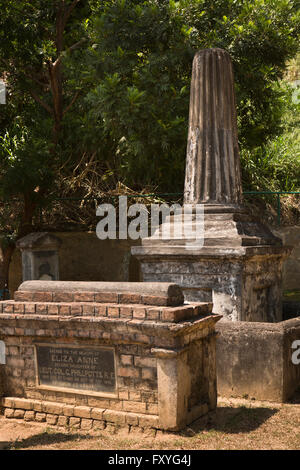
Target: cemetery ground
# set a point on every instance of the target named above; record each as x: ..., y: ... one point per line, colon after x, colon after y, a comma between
x: 237, y: 424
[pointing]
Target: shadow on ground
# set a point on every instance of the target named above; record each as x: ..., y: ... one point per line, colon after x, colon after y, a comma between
x: 229, y: 420
x: 46, y: 438
x: 295, y: 399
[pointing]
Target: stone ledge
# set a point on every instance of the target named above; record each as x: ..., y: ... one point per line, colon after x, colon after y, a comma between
x: 131, y: 312
x: 119, y: 326
x: 36, y: 410
x: 166, y: 252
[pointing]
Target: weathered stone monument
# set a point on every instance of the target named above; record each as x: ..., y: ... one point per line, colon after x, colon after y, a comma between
x: 239, y: 265
x: 100, y: 354
x: 39, y: 256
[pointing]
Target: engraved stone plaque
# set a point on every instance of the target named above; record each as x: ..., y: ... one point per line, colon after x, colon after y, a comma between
x: 79, y: 368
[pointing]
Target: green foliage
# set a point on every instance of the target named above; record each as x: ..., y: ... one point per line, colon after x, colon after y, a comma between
x: 275, y: 166
x: 125, y: 92
x: 24, y: 164
x: 142, y: 57
x: 31, y: 41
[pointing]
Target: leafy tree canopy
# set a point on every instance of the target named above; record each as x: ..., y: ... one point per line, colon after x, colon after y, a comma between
x: 98, y: 91
x: 142, y: 57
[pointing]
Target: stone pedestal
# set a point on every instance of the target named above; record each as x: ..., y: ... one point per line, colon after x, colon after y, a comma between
x: 244, y: 283
x: 40, y: 256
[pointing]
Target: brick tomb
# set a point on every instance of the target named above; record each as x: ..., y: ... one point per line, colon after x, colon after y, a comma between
x: 95, y: 354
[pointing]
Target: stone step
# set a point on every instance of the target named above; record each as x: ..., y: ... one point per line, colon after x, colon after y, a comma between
x: 110, y: 310
x: 65, y: 414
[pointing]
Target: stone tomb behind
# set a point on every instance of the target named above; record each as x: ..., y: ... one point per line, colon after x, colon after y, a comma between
x: 40, y: 256
x: 107, y: 354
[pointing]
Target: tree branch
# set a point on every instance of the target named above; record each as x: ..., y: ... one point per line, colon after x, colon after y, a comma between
x: 71, y: 48
x: 69, y: 11
x: 32, y: 78
x: 72, y: 102
x: 42, y: 84
x: 41, y: 102
x: 5, y: 62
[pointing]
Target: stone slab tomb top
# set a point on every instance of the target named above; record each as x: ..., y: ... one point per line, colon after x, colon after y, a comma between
x: 147, y: 293
x: 143, y: 301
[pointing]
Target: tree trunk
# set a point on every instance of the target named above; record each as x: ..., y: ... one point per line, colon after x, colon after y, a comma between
x: 7, y: 249
x: 55, y: 73
x: 6, y: 253
x: 63, y: 12
x: 26, y: 226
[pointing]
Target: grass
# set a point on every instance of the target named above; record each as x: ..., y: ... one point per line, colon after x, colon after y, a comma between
x: 292, y: 295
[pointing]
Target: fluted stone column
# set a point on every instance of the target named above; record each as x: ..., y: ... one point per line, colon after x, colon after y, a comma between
x: 238, y: 266
x: 212, y: 161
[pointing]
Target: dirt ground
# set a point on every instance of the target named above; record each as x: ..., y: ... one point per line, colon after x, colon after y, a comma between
x: 237, y: 424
